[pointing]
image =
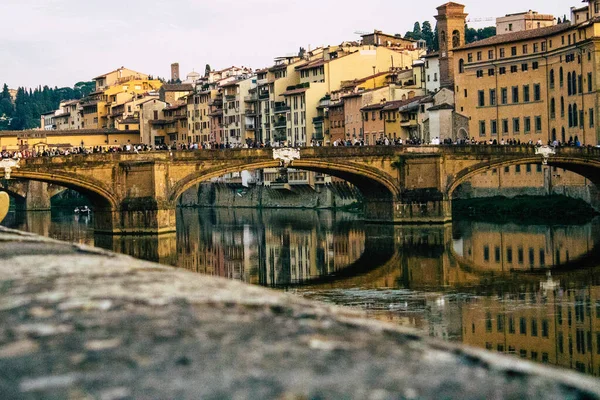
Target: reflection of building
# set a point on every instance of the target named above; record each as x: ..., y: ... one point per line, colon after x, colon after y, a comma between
x: 522, y: 248
x: 554, y: 327
x: 267, y: 248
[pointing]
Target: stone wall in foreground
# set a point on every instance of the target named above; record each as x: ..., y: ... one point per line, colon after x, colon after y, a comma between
x: 77, y: 322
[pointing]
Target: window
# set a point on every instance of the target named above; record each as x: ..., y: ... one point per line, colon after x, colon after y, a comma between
x: 502, y: 70
x: 470, y: 57
x: 513, y: 69
x: 490, y: 54
x: 591, y: 118
x: 535, y: 65
x: 543, y: 44
x: 517, y: 127
x: 486, y: 253
x: 551, y: 79
x: 589, y: 81
x: 524, y: 49
x: 494, y: 127
x: 505, y: 127
x: 561, y: 77
x: 481, y: 98
x: 562, y: 107
x: 480, y: 73
x: 538, y: 124
x: 515, y: 94
x: 497, y: 254
x: 479, y: 56
x: 580, y: 84
x: 500, y: 323
x: 537, y: 95
x: 524, y: 67
x: 534, y: 327
x: 481, y: 128
x: 461, y: 66
x: 511, y: 325
x: 502, y: 53
x: 517, y: 171
x: 526, y: 97
x: 535, y: 47
x: 523, y: 326
x: 552, y: 108
x: 466, y: 93
x: 504, y: 96
x: 491, y: 72
x: 492, y: 97
x: 513, y: 51
x: 527, y: 124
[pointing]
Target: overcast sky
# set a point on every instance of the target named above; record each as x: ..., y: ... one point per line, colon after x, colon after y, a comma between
x: 61, y: 42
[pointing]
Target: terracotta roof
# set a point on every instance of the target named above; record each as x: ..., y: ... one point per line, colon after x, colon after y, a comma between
x: 294, y: 91
x: 518, y: 36
x: 175, y: 106
x: 390, y: 105
x: 373, y: 107
x: 432, y: 55
x: 312, y: 64
x: 443, y: 106
x: 69, y: 102
x: 178, y: 87
x: 62, y: 115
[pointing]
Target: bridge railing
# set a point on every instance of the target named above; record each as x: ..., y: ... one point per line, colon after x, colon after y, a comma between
x: 311, y: 152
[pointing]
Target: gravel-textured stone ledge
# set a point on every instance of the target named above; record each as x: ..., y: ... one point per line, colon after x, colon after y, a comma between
x: 81, y: 323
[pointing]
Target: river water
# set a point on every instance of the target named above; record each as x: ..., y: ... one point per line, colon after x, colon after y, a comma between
x: 528, y: 290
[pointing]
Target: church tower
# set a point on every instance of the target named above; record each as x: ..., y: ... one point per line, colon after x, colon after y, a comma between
x: 451, y: 20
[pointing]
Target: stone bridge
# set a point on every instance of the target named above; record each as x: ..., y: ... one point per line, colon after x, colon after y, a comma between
x: 138, y: 193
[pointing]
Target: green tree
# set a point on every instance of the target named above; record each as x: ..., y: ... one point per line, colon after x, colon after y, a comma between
x: 435, y: 44
x: 427, y: 34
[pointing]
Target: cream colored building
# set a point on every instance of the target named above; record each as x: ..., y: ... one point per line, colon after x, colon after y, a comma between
x: 524, y: 21
x: 539, y: 84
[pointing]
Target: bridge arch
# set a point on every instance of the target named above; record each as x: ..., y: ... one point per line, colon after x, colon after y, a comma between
x: 374, y: 185
x: 101, y: 197
x: 589, y: 168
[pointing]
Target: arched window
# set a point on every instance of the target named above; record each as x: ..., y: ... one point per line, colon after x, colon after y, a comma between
x: 563, y: 135
x: 573, y: 83
x: 553, y: 134
x: 562, y: 107
x: 570, y: 116
x: 575, y: 116
x: 461, y: 66
x: 455, y: 39
x: 552, y: 108
x: 561, y: 77
x: 569, y: 83
x: 551, y: 79
x: 443, y: 39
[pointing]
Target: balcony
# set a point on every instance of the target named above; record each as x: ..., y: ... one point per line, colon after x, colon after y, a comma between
x: 251, y: 112
x: 251, y: 98
x: 215, y: 102
x: 406, y: 123
x: 280, y: 123
x: 230, y: 97
x: 250, y: 127
x: 280, y: 109
x: 318, y: 120
x: 263, y: 95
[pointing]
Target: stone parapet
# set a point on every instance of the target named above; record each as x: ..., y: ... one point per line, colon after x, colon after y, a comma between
x: 77, y: 322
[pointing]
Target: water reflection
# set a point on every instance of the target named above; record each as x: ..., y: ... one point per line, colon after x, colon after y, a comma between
x: 482, y: 284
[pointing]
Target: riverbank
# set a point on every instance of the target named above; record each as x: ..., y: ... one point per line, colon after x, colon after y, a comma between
x: 555, y: 209
x: 109, y: 326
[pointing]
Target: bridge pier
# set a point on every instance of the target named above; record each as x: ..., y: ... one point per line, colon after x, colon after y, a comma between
x: 425, y: 211
x: 138, y: 216
x: 37, y: 197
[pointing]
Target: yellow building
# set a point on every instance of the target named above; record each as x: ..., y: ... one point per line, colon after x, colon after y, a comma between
x: 88, y: 138
x: 532, y: 85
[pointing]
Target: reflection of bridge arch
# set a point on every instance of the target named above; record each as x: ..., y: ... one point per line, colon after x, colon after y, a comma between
x: 101, y: 197
x: 588, y: 168
x: 372, y: 182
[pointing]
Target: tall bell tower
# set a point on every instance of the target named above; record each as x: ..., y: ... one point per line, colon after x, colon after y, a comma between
x: 451, y: 20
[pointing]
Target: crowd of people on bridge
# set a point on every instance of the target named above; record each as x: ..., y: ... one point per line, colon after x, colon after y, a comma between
x: 250, y: 144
